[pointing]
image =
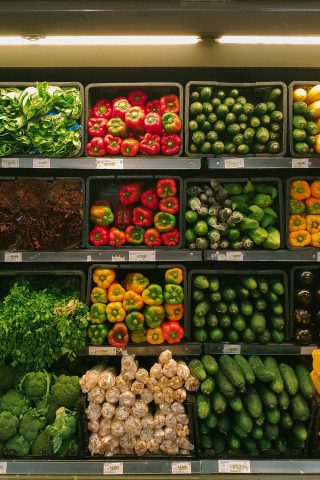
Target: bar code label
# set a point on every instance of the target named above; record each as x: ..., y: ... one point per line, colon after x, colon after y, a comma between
x: 231, y: 349
x: 41, y: 163
x: 300, y: 163
x: 89, y: 258
x: 118, y: 258
x: 13, y: 256
x: 234, y: 466
x: 113, y: 468
x: 3, y: 468
x: 103, y: 351
x: 141, y: 256
x: 109, y: 163
x: 181, y: 468
x: 234, y: 163
x: 10, y: 163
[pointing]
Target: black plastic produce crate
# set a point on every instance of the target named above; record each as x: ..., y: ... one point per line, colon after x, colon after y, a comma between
x: 23, y: 85
x: 238, y: 274
x: 154, y: 90
x: 251, y: 91
x: 277, y: 205
x: 155, y: 273
x: 107, y: 188
x: 36, y: 198
x: 315, y: 431
x: 291, y: 88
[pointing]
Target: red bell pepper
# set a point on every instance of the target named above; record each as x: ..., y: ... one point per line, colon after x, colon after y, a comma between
x: 99, y: 236
x: 153, y: 106
x: 137, y: 98
x: 152, y: 237
x: 171, y: 122
x: 118, y: 336
x: 116, y: 237
x: 97, y: 127
x: 172, y: 331
x: 134, y: 235
x: 170, y: 144
x: 123, y: 215
x: 130, y: 193
x: 96, y: 148
x: 102, y: 109
x: 142, y: 217
x: 117, y: 127
x: 102, y: 201
x: 114, y: 100
x: 150, y: 144
x: 169, y: 103
x: 130, y: 147
x: 113, y: 144
x: 149, y: 199
x: 169, y: 205
x: 166, y: 187
x: 134, y: 118
x: 152, y: 123
x: 170, y: 238
x: 120, y: 107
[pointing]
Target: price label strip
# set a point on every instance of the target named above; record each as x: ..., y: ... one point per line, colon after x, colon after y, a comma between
x: 113, y: 468
x: 13, y: 256
x: 10, y: 163
x: 234, y: 466
x: 109, y: 163
x: 103, y: 351
x: 230, y: 256
x: 41, y: 163
x: 181, y: 468
x: 3, y: 468
x: 300, y: 163
x: 141, y: 256
x: 231, y: 349
x: 234, y: 163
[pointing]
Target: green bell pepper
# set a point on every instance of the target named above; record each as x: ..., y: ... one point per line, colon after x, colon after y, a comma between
x: 249, y: 188
x: 272, y: 242
x: 97, y: 334
x: 256, y: 213
x: 258, y: 235
x: 233, y: 188
x: 267, y: 189
x: 154, y: 315
x: 153, y: 295
x: 248, y: 224
x: 138, y: 336
x: 297, y: 207
x: 173, y: 294
x: 98, y: 313
x: 134, y: 321
x: 164, y: 222
x: 262, y: 200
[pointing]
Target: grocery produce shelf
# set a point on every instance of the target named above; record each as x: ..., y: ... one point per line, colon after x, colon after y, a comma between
x: 261, y: 162
x: 262, y: 255
x: 144, y: 350
x: 285, y: 466
x: 105, y: 163
x: 258, y: 349
x: 73, y: 256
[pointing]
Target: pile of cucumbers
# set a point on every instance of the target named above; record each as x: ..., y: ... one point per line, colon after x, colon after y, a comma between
x: 248, y: 308
x: 224, y: 121
x: 252, y: 405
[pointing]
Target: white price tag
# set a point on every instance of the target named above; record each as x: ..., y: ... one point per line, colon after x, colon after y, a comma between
x: 118, y: 258
x: 307, y: 350
x: 89, y: 258
x: 103, y: 351
x: 234, y: 466
x: 41, y: 163
x: 231, y: 349
x: 113, y: 468
x: 109, y: 163
x: 3, y: 468
x: 234, y: 163
x: 13, y: 256
x: 235, y: 256
x: 141, y: 256
x: 10, y: 163
x: 181, y: 468
x: 318, y: 256
x: 300, y: 163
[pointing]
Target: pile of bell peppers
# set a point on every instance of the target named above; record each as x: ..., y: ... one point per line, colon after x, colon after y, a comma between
x: 304, y: 219
x: 135, y: 125
x: 144, y: 215
x: 136, y: 310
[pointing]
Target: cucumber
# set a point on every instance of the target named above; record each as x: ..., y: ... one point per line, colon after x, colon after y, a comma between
x: 211, y: 421
x: 245, y: 368
x: 281, y: 444
x: 261, y: 372
x: 306, y: 386
x: 203, y: 428
x: 277, y: 384
x: 273, y: 95
x: 234, y: 442
x: 273, y: 416
x: 253, y: 403
x: 219, y: 442
x: 286, y: 422
x: 257, y: 432
x: 224, y: 385
x: 218, y: 402
x: 197, y: 369
x: 232, y: 372
x: 260, y: 421
x: 268, y: 398
x: 207, y: 386
x: 300, y: 432
x: 262, y: 135
x: 250, y: 445
x: 264, y: 444
x: 238, y: 431
x: 206, y: 442
x: 224, y: 424
x: 299, y: 408
x: 203, y: 406
x: 283, y: 400
x: 289, y: 378
x: 244, y: 420
x: 235, y: 403
x: 270, y: 431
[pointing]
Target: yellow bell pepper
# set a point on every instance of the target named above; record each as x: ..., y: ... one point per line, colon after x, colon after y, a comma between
x: 155, y: 336
x: 115, y: 312
x: 136, y: 282
x: 132, y: 301
x: 103, y: 277
x: 116, y: 292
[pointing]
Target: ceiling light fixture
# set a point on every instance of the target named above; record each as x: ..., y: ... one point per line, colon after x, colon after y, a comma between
x: 268, y: 40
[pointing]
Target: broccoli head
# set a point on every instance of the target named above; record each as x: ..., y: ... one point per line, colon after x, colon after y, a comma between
x: 35, y: 384
x: 50, y: 410
x: 69, y: 448
x: 14, y: 402
x: 65, y: 391
x: 64, y: 427
x: 8, y: 426
x: 42, y: 445
x: 30, y: 424
x: 17, y: 446
x: 7, y: 375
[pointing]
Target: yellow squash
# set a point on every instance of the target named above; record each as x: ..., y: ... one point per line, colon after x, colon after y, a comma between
x: 313, y: 94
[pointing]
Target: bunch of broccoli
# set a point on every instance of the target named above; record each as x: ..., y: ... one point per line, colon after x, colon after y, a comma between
x: 37, y: 414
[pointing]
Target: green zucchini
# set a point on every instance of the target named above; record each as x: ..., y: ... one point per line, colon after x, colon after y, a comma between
x: 244, y: 420
x: 224, y: 385
x: 232, y: 372
x: 267, y: 396
x: 306, y: 386
x: 246, y: 369
x: 277, y: 384
x: 261, y: 372
x: 253, y: 403
x: 299, y: 408
x: 289, y: 378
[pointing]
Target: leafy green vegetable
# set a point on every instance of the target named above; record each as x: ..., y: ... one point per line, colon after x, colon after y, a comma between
x: 64, y: 427
x: 42, y: 445
x: 35, y: 384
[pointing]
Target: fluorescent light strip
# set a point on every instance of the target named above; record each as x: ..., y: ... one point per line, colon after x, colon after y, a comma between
x: 100, y: 40
x: 268, y: 40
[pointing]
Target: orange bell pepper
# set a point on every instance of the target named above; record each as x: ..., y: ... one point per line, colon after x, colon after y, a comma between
x: 103, y: 277
x: 297, y: 222
x: 98, y: 295
x: 155, y: 336
x: 174, y: 275
x: 315, y: 189
x: 132, y: 301
x: 315, y: 239
x: 313, y: 205
x: 115, y: 312
x: 313, y: 223
x: 116, y: 292
x: 136, y: 282
x: 174, y: 311
x: 300, y: 189
x: 301, y: 238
